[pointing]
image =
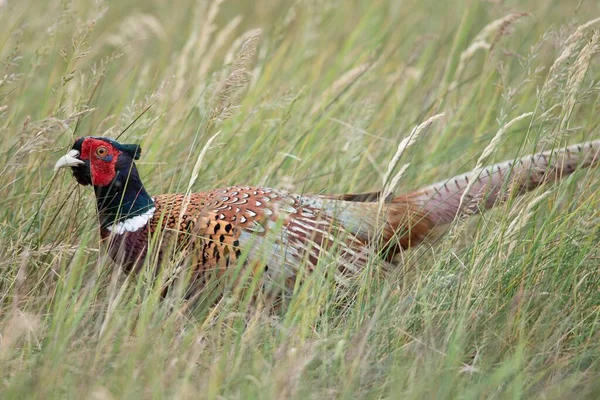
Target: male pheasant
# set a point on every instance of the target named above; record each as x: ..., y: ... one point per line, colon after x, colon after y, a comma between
x: 277, y: 231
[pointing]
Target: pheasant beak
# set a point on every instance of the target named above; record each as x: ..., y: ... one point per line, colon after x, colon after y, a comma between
x: 68, y: 160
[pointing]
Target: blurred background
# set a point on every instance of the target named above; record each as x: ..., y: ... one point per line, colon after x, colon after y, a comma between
x: 332, y: 87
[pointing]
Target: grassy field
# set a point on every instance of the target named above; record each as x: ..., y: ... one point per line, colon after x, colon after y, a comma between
x: 309, y: 96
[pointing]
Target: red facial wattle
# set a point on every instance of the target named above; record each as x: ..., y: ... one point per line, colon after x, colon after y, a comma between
x: 102, y: 163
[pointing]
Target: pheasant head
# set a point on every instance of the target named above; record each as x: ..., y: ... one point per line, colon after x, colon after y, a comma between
x: 98, y: 161
x: 110, y: 168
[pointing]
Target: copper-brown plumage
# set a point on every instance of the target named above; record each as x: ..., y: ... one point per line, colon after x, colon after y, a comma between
x: 277, y: 232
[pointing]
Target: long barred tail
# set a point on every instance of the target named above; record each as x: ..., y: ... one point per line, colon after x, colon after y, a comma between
x: 442, y: 202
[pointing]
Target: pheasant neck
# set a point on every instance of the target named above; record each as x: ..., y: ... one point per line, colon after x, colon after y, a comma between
x: 125, y: 198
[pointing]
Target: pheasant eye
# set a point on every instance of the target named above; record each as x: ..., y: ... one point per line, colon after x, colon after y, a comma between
x: 101, y: 151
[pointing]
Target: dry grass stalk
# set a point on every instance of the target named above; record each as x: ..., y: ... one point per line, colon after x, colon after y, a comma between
x: 196, y: 47
x: 339, y: 84
x: 569, y: 47
x: 229, y: 93
x: 196, y: 173
x: 490, y: 148
x: 137, y: 27
x: 208, y: 28
x: 495, y: 30
x: 390, y: 185
x: 182, y: 64
x: 576, y: 75
x: 190, y: 55
x: 521, y: 220
x: 505, y: 27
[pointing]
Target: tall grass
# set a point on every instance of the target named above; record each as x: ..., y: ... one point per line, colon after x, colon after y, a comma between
x: 506, y: 305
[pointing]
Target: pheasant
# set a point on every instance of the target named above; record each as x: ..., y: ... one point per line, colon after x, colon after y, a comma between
x: 275, y: 232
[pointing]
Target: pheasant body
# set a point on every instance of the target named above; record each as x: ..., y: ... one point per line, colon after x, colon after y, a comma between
x: 277, y: 232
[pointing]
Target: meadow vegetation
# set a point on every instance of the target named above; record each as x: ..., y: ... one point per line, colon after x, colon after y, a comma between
x: 308, y: 96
